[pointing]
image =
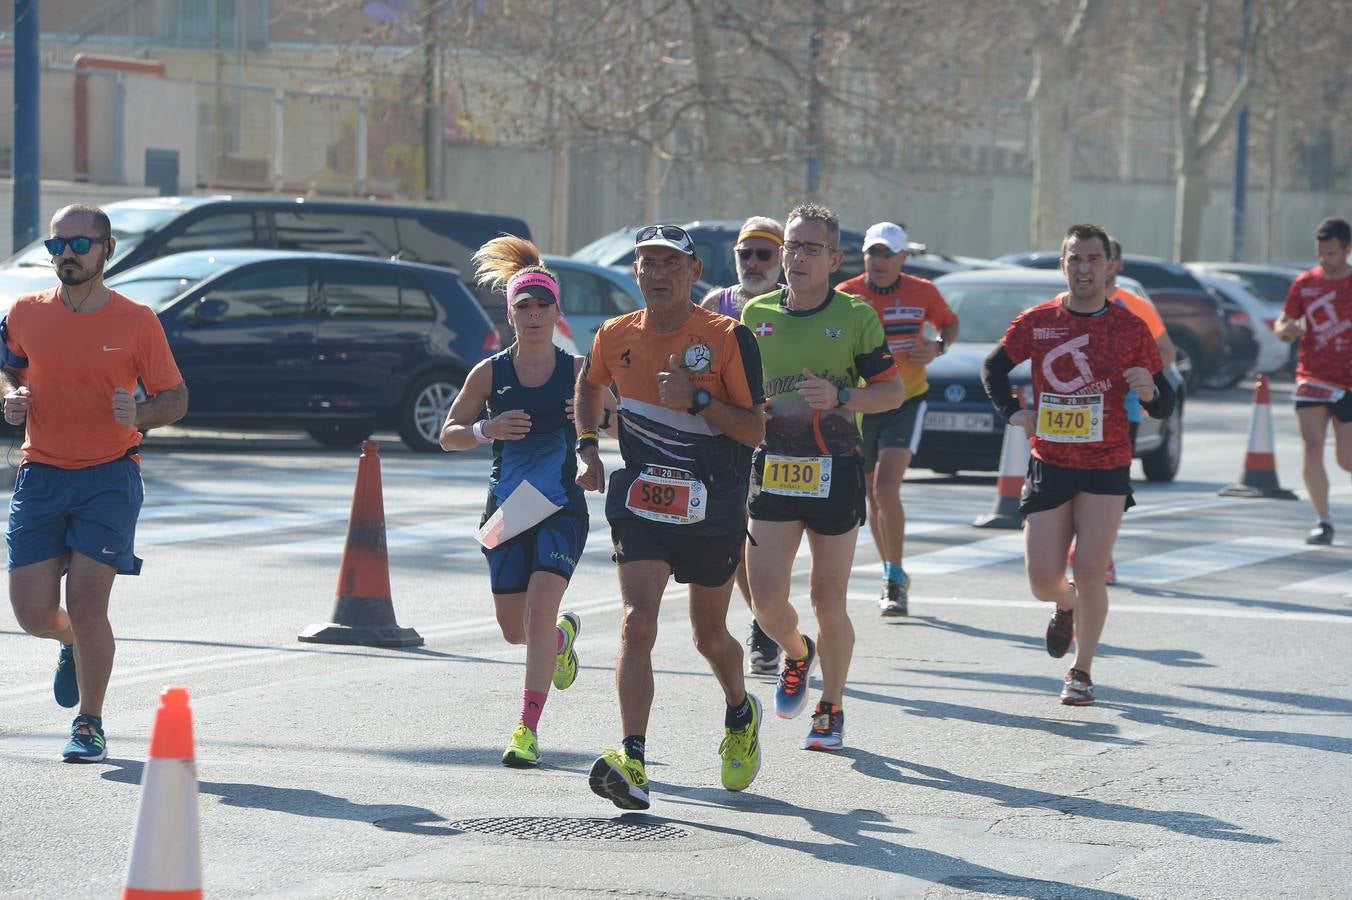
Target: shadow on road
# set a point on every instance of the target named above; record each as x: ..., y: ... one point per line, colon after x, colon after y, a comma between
x: 1165, y: 656
x: 866, y: 838
x: 1184, y: 822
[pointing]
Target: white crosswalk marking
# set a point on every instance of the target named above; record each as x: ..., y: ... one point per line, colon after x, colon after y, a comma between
x: 1205, y: 559
x: 1337, y: 583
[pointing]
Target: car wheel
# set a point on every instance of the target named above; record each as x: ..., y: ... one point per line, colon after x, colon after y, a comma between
x: 1219, y: 381
x: 1161, y: 464
x: 1189, y: 358
x: 425, y: 407
x: 338, y: 436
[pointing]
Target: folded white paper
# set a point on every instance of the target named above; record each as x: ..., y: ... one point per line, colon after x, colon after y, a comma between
x: 524, y: 508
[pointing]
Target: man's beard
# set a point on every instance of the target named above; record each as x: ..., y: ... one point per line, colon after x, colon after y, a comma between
x: 755, y: 286
x: 76, y: 275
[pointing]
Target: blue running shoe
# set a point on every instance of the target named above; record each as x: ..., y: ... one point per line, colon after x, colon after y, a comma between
x: 65, y: 687
x: 86, y: 741
x: 828, y: 729
x: 791, y: 694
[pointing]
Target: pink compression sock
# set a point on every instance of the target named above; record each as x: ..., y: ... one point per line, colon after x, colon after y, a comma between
x: 532, y: 704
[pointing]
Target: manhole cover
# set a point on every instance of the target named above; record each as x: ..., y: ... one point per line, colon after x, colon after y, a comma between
x: 548, y: 828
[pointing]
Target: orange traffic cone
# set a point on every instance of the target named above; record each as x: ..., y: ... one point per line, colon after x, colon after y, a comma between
x: 364, y: 612
x: 1014, y: 454
x: 1259, y: 478
x: 166, y: 859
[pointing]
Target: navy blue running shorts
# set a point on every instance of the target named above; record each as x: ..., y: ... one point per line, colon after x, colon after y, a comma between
x: 91, y: 511
x: 555, y: 545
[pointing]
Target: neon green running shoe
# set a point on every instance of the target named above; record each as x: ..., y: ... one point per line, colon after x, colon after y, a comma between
x: 523, y: 750
x: 565, y: 664
x: 621, y: 780
x: 741, y: 751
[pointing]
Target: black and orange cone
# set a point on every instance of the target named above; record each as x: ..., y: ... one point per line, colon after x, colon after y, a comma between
x: 364, y: 612
x: 1259, y: 478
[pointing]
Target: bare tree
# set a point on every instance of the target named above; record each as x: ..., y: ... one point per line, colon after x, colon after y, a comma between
x: 1205, y: 110
x: 1064, y: 34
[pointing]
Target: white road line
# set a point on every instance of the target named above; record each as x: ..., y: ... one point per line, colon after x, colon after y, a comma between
x: 176, y: 532
x: 1205, y: 559
x: 40, y: 692
x: 1117, y: 608
x: 1337, y: 583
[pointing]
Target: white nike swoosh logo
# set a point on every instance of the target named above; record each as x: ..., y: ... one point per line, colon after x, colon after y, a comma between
x: 504, y: 389
x: 106, y: 552
x: 107, y: 349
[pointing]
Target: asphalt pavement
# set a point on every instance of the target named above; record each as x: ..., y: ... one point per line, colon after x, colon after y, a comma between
x: 1214, y: 764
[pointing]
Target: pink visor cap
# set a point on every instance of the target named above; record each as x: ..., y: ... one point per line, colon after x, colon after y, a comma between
x: 533, y: 284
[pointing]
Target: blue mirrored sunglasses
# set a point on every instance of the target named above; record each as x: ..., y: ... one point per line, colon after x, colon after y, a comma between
x: 81, y: 245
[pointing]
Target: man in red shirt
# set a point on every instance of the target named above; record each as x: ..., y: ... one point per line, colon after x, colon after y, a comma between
x: 1318, y: 311
x: 1086, y: 353
x: 72, y: 356
x: 905, y: 304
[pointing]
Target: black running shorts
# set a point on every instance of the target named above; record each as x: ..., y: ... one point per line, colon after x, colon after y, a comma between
x: 1048, y: 486
x: 708, y: 560
x: 1341, y: 409
x: 900, y: 427
x: 837, y: 513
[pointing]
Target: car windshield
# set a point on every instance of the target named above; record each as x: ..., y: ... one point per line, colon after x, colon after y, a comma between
x: 130, y: 226
x: 156, y: 292
x: 987, y: 309
x: 159, y: 281
x: 610, y: 249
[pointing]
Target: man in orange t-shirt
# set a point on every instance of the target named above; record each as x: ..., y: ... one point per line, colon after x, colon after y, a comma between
x: 72, y: 356
x: 905, y: 304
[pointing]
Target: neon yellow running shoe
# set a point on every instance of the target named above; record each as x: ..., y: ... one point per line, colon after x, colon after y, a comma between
x: 565, y: 664
x: 523, y: 750
x: 621, y: 780
x: 741, y: 751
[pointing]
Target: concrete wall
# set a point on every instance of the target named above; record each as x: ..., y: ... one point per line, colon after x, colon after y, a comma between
x: 162, y: 115
x: 952, y: 212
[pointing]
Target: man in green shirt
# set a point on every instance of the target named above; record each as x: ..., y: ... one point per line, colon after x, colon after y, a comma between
x: 824, y: 357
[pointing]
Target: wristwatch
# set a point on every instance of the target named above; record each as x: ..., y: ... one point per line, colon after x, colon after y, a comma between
x: 701, y: 399
x: 943, y: 348
x: 842, y: 397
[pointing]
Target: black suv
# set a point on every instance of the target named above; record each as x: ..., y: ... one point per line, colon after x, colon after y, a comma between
x: 159, y: 226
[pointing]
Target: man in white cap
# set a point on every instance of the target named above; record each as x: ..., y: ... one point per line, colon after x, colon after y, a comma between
x: 905, y: 304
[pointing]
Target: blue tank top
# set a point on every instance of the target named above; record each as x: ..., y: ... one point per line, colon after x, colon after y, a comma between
x: 544, y: 457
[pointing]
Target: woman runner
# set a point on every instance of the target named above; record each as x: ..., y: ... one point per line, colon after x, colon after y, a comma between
x: 520, y: 401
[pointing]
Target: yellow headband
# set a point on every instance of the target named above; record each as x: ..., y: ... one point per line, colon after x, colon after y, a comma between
x: 758, y: 233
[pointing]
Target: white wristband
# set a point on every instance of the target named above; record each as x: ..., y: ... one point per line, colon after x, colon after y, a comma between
x: 479, y: 433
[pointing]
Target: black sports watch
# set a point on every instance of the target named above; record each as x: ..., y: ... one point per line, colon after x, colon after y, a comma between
x: 842, y: 397
x: 943, y: 347
x: 701, y: 400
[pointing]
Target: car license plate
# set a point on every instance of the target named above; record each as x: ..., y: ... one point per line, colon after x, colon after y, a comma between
x: 960, y: 421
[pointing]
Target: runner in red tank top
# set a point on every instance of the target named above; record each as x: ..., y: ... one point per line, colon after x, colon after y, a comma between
x: 1318, y: 311
x: 1086, y: 353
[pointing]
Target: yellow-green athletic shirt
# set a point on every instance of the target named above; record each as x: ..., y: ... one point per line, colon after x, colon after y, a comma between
x: 842, y: 341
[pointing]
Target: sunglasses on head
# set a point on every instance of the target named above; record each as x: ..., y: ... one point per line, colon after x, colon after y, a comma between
x: 670, y: 232
x: 81, y: 245
x: 764, y: 254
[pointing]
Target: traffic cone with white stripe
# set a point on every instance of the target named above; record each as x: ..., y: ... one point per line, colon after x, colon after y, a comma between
x: 1259, y: 478
x: 1014, y: 455
x: 166, y: 859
